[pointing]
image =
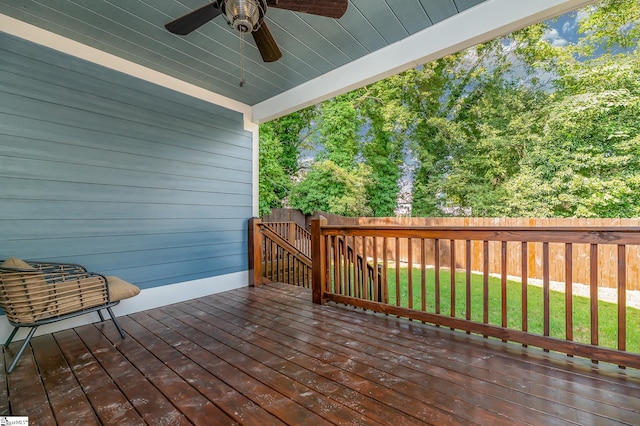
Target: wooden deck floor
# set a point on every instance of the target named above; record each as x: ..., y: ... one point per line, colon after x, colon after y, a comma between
x: 268, y: 356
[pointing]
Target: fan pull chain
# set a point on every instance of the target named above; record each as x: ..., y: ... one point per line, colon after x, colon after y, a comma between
x: 242, y: 59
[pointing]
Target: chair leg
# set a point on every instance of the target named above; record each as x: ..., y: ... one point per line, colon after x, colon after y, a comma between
x: 13, y: 334
x: 21, y: 350
x: 115, y: 321
x: 100, y: 315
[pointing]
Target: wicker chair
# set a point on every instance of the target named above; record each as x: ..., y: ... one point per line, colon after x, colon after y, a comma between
x: 37, y: 293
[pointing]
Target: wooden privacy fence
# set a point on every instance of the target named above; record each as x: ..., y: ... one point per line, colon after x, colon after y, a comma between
x: 430, y: 291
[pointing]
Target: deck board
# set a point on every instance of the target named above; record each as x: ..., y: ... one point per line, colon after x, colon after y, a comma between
x: 513, y: 384
x: 145, y: 398
x: 194, y: 405
x: 352, y: 369
x: 25, y: 388
x: 268, y: 356
x: 450, y: 390
x: 311, y: 372
x: 109, y: 403
x: 67, y: 400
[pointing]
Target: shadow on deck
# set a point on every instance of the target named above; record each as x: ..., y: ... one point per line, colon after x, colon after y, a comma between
x: 262, y: 356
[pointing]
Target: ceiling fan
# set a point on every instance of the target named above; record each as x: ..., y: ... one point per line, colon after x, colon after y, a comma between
x: 248, y: 16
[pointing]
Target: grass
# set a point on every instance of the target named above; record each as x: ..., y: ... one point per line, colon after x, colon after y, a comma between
x: 607, y: 312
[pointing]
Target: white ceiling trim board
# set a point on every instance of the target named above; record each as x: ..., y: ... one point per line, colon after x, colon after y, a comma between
x: 54, y: 41
x: 484, y: 22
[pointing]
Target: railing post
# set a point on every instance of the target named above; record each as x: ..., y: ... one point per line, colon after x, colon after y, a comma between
x: 255, y: 252
x: 318, y: 255
x: 292, y: 233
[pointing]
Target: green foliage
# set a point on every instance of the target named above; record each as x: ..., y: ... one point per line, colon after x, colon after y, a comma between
x: 587, y: 162
x: 490, y: 156
x: 462, y: 133
x: 330, y: 188
x: 274, y: 182
x: 512, y: 127
x: 280, y: 144
x: 381, y: 148
x: 292, y: 131
x: 338, y: 130
x: 610, y: 25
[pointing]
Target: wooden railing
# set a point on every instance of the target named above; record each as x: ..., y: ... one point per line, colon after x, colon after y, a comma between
x: 360, y: 278
x: 279, y: 252
x: 581, y: 273
x: 424, y: 289
x: 296, y: 235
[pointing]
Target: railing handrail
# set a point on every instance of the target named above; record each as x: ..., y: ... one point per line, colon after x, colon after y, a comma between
x: 580, y: 235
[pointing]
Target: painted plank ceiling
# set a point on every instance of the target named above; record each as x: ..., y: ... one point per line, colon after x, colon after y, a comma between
x: 210, y: 56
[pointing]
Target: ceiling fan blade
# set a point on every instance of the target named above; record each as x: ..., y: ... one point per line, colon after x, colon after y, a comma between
x: 266, y: 44
x: 193, y: 20
x: 329, y: 8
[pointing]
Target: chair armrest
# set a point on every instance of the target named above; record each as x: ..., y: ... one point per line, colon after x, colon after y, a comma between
x: 57, y: 267
x: 54, y: 266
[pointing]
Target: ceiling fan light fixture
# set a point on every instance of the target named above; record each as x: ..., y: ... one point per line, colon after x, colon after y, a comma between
x: 243, y: 15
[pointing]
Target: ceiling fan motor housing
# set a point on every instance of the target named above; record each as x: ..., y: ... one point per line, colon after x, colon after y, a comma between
x: 244, y: 15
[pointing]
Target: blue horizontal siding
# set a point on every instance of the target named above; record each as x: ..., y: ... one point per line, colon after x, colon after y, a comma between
x: 120, y: 175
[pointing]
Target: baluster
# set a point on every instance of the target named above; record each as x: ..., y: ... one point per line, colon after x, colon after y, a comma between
x: 385, y: 270
x: 485, y: 282
x: 593, y: 283
x: 568, y: 290
x: 503, y: 283
x: 423, y: 274
x: 545, y: 286
x: 410, y: 272
x: 365, y: 270
x: 376, y: 280
x: 468, y: 279
x: 397, y: 271
x: 524, y: 274
x: 622, y: 297
x: 436, y: 294
x: 452, y: 281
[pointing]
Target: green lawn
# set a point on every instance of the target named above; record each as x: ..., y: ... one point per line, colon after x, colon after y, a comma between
x: 607, y: 312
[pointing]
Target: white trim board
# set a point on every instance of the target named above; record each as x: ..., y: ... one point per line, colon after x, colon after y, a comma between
x: 147, y: 299
x: 62, y: 44
x: 484, y: 22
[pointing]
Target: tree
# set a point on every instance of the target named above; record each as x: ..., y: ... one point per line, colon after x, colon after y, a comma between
x: 280, y: 143
x: 333, y: 189
x: 515, y: 126
x: 293, y: 132
x: 610, y: 25
x: 336, y: 181
x: 587, y: 161
x: 462, y: 134
x: 505, y: 119
x: 382, y: 147
x: 274, y: 182
x: 337, y: 131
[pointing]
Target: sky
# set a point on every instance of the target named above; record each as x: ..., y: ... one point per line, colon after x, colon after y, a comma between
x: 564, y: 29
